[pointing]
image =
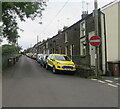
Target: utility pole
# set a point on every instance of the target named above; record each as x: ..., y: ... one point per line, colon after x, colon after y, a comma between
x: 58, y: 24
x: 96, y: 33
x: 37, y: 38
x: 1, y: 28
x: 0, y: 11
x: 68, y: 21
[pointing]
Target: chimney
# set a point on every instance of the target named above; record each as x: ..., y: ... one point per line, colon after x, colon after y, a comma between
x: 59, y: 31
x: 65, y: 27
x: 84, y: 9
x: 84, y: 14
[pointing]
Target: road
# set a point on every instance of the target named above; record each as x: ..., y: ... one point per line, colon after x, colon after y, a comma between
x: 27, y: 84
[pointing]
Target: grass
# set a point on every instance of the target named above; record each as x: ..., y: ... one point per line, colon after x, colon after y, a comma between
x: 96, y: 77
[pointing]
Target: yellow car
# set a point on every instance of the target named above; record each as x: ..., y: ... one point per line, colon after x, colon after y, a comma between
x: 60, y: 62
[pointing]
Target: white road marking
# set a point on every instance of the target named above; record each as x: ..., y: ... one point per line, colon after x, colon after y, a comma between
x: 118, y: 84
x: 112, y: 85
x: 109, y: 81
x: 116, y: 78
x: 94, y: 79
x: 101, y: 81
x: 106, y: 81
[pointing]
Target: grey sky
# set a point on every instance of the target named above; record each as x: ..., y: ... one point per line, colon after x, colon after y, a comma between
x: 70, y: 14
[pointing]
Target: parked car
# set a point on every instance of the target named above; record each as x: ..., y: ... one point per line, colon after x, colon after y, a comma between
x: 43, y: 59
x: 38, y: 58
x: 60, y: 62
x: 34, y: 56
x: 29, y: 54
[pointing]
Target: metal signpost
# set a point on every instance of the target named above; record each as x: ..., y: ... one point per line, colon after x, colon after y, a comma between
x: 95, y: 41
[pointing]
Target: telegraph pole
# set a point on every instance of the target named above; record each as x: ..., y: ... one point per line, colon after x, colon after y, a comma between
x: 1, y: 28
x: 96, y: 33
x: 58, y: 24
x: 68, y: 21
x: 37, y: 38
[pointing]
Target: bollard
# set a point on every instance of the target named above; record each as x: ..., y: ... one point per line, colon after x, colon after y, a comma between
x: 14, y: 60
x: 10, y: 62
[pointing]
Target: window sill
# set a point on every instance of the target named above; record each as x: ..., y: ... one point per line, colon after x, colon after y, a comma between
x: 66, y: 42
x: 82, y: 56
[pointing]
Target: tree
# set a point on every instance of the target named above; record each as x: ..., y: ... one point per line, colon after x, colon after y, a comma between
x: 22, y: 10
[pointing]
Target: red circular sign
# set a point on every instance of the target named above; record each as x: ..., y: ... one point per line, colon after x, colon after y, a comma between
x: 95, y: 40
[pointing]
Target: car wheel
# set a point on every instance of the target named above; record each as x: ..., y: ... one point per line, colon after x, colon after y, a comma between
x: 47, y: 67
x: 72, y: 73
x: 54, y: 70
x: 44, y: 65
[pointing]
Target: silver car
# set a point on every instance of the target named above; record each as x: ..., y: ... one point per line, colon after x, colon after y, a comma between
x: 39, y: 57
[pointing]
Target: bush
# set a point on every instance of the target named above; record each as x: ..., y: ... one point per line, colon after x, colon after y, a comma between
x: 8, y: 50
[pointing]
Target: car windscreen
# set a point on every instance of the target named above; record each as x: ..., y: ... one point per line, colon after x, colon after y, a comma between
x: 39, y: 55
x: 62, y: 58
x: 45, y: 57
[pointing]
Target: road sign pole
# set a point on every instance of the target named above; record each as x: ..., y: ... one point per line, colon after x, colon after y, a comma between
x: 96, y: 61
x: 95, y: 41
x: 96, y: 33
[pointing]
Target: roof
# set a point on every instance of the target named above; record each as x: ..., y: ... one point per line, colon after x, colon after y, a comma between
x: 110, y: 4
x: 36, y: 45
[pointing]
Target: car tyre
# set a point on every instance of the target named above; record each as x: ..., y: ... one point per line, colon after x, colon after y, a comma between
x: 54, y: 70
x: 44, y: 65
x: 72, y: 73
x: 47, y: 67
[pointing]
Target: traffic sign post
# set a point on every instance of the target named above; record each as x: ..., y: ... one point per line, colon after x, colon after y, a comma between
x: 95, y: 41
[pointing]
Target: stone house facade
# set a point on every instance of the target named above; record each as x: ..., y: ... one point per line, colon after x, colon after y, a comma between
x: 72, y: 41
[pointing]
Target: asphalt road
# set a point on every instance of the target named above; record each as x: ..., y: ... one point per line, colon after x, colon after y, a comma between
x: 27, y: 84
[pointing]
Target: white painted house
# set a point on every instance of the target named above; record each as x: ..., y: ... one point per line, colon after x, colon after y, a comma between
x: 112, y: 20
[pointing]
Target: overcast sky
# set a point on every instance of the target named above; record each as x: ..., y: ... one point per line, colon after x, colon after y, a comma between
x: 58, y: 13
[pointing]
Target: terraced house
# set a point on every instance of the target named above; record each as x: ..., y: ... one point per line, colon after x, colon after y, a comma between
x: 74, y: 40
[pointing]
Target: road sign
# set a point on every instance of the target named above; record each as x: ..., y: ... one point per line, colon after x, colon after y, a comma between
x: 95, y: 40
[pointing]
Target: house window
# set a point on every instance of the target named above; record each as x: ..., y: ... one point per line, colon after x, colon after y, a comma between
x: 71, y: 50
x: 66, y: 37
x: 82, y: 29
x: 47, y: 51
x: 47, y: 45
x: 60, y: 51
x: 66, y: 50
x: 53, y: 50
x: 83, y: 47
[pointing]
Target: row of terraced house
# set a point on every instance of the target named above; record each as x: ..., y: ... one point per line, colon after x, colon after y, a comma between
x: 74, y: 40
